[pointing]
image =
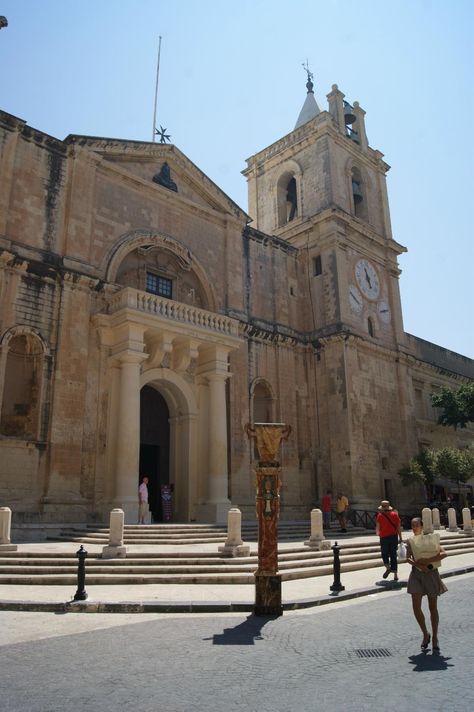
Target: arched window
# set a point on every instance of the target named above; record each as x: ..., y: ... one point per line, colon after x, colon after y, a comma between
x: 22, y: 380
x: 370, y: 327
x: 262, y: 404
x: 287, y: 196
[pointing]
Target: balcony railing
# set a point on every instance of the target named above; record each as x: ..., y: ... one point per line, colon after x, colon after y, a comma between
x: 146, y: 303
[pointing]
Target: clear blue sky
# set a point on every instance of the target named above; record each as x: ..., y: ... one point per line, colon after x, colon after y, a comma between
x: 231, y: 83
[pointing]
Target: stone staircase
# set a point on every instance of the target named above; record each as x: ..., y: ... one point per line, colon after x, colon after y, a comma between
x: 182, y: 534
x: 181, y: 567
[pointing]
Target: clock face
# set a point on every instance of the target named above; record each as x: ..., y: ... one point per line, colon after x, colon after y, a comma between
x: 355, y: 299
x: 383, y: 310
x: 367, y: 279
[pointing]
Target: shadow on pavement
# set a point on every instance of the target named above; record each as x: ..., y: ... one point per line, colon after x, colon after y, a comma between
x: 246, y: 633
x: 427, y: 663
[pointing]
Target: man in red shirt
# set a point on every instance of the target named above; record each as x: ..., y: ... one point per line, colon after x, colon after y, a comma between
x: 326, y: 506
x: 388, y: 528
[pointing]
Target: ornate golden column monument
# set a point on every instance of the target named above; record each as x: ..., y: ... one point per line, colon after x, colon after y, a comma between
x: 268, y: 437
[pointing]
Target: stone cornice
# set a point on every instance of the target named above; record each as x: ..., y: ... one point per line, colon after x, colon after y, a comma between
x: 251, y: 233
x: 423, y: 366
x: 343, y: 221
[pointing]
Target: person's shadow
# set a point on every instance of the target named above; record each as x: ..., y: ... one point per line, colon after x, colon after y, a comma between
x: 245, y: 633
x: 427, y: 663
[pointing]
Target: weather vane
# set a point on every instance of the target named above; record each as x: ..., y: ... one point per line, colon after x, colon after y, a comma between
x: 164, y: 137
x: 307, y: 70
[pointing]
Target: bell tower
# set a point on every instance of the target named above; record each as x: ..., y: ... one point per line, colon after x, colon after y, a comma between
x: 323, y: 189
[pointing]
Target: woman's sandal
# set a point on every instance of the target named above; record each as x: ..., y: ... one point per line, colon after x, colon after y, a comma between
x: 436, y: 648
x: 425, y: 644
x: 386, y: 573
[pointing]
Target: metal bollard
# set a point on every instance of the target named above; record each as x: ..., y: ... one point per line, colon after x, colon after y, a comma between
x: 337, y: 585
x: 81, y: 593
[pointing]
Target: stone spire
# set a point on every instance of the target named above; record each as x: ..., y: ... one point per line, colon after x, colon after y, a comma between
x: 310, y: 108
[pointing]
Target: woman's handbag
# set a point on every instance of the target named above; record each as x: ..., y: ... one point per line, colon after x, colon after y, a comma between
x: 402, y: 552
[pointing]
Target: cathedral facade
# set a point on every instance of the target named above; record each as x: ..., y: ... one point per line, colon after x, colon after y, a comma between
x: 145, y: 318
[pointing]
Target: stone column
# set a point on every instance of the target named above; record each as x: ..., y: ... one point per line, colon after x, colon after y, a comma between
x: 427, y: 520
x: 436, y: 519
x: 5, y: 528
x: 115, y: 548
x: 218, y: 503
x: 452, y: 523
x: 234, y: 544
x: 316, y: 539
x: 128, y: 434
x: 466, y: 521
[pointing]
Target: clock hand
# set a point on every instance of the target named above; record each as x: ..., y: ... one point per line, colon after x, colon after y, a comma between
x: 355, y: 298
x: 367, y: 278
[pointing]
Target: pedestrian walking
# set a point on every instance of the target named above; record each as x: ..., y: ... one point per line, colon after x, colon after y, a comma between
x: 388, y: 529
x: 424, y: 553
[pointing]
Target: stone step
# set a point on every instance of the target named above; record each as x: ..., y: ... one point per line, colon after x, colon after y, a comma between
x: 299, y: 564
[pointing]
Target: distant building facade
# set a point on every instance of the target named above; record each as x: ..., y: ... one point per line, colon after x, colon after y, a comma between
x: 144, y: 322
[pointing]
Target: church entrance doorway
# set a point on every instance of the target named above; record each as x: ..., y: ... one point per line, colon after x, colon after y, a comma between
x: 154, y: 447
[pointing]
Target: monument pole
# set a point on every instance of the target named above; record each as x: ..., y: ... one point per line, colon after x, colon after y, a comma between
x: 268, y: 437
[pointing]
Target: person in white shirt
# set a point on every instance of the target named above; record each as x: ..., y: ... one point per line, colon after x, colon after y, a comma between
x: 424, y: 553
x: 143, y: 500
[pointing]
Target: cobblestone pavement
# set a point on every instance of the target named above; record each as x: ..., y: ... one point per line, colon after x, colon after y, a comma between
x: 360, y: 655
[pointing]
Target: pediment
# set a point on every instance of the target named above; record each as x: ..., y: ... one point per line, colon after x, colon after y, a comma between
x: 150, y: 161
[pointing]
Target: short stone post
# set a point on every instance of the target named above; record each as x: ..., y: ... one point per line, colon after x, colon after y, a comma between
x: 234, y: 546
x: 5, y: 529
x: 427, y: 520
x: 316, y: 539
x: 452, y: 523
x: 115, y: 548
x: 436, y: 519
x: 466, y: 521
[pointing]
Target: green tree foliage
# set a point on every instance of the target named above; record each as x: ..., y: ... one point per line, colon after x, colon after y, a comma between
x: 457, y: 405
x: 448, y: 462
x: 455, y: 464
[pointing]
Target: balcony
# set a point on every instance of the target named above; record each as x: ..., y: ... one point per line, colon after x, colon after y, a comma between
x: 155, y: 315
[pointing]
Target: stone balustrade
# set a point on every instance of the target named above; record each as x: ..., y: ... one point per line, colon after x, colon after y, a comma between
x: 187, y: 314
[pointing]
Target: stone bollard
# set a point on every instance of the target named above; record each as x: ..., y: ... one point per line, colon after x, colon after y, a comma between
x: 337, y: 585
x: 467, y: 521
x: 452, y: 523
x: 316, y: 539
x: 234, y: 546
x: 5, y: 529
x: 436, y: 519
x: 427, y: 520
x: 115, y: 548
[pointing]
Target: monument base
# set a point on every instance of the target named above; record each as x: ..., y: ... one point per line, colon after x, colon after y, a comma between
x: 114, y: 552
x: 268, y: 595
x: 234, y: 551
x: 319, y: 544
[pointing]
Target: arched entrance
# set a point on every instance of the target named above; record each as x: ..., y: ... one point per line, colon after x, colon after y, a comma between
x: 154, y: 446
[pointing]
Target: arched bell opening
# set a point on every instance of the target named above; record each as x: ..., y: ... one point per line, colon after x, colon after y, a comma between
x: 287, y: 198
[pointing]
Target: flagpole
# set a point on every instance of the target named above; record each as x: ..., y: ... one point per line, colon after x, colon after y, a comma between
x: 156, y: 89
